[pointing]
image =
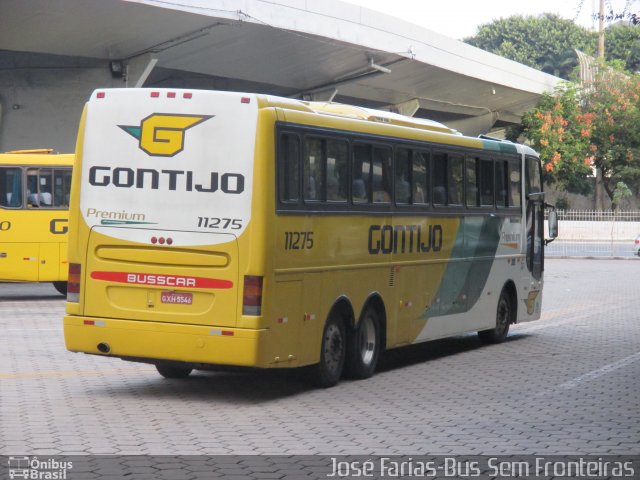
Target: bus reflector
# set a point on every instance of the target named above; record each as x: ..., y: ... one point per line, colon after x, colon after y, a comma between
x: 73, y: 282
x: 187, y: 95
x: 100, y: 95
x: 245, y: 100
x: 155, y: 94
x: 171, y: 94
x: 252, y: 295
x: 95, y: 323
x: 224, y: 333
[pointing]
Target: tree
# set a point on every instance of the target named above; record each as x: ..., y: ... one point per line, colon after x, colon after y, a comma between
x: 544, y: 42
x: 560, y: 132
x: 622, y: 42
x: 599, y: 126
x: 614, y: 103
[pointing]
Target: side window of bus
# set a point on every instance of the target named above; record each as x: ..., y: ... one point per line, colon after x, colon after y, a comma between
x: 502, y: 184
x: 381, y: 175
x: 411, y: 177
x: 11, y: 187
x: 289, y: 160
x: 472, y: 180
x: 533, y: 176
x: 361, y: 173
x: 440, y: 179
x: 420, y: 184
x: 312, y: 181
x: 514, y: 182
x: 337, y: 170
x: 454, y: 179
x: 486, y: 187
x: 48, y: 187
x: 479, y: 182
x: 403, y: 176
x: 61, y: 187
x: 33, y: 199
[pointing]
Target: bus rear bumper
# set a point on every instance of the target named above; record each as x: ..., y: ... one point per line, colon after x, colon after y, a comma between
x: 149, y: 341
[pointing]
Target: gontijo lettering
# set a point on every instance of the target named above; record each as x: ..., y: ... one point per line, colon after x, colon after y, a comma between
x: 387, y: 239
x: 149, y: 178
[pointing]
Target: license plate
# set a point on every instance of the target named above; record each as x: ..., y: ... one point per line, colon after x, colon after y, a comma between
x: 180, y: 298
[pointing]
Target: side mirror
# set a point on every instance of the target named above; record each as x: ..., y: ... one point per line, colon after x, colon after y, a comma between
x: 553, y: 227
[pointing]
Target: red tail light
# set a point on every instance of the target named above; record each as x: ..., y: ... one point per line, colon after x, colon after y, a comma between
x: 252, y: 295
x: 73, y: 282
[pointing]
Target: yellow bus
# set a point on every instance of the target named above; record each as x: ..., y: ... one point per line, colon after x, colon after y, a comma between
x: 34, y: 216
x: 217, y: 228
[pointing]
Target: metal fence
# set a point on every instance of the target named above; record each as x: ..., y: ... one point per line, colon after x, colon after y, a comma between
x: 599, y: 215
x: 596, y: 233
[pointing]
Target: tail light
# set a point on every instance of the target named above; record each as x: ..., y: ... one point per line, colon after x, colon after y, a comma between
x: 252, y: 295
x: 73, y: 282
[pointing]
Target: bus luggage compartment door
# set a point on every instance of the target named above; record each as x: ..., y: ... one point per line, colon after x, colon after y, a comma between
x: 194, y: 284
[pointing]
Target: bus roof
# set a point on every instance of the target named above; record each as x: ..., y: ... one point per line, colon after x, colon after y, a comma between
x: 395, y: 119
x: 44, y: 157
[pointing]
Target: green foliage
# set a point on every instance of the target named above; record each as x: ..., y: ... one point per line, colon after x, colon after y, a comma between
x: 559, y: 131
x: 562, y: 203
x: 622, y: 42
x: 545, y: 42
x: 574, y: 130
x: 620, y: 192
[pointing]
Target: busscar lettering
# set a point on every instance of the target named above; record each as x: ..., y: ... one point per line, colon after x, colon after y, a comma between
x: 172, y: 180
x: 168, y: 280
x: 386, y: 239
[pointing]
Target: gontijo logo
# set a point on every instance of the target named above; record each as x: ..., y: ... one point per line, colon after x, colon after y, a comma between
x: 162, y: 134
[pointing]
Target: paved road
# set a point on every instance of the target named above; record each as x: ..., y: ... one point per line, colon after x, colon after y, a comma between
x: 567, y: 384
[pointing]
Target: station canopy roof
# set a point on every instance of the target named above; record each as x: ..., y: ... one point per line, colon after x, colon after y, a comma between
x: 311, y: 49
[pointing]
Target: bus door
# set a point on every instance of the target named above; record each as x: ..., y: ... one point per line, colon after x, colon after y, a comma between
x: 535, y: 218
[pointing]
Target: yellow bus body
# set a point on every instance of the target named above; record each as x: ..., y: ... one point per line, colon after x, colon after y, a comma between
x: 312, y: 264
x: 33, y: 234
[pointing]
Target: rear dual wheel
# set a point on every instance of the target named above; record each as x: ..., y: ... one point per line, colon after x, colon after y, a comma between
x: 357, y: 353
x: 332, y: 352
x: 364, y: 345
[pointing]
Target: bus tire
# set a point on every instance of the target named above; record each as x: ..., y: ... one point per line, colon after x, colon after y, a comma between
x: 504, y: 318
x: 364, y: 345
x: 172, y: 371
x: 61, y: 287
x: 332, y: 352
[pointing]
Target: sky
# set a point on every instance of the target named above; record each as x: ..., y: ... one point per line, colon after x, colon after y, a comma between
x: 460, y: 18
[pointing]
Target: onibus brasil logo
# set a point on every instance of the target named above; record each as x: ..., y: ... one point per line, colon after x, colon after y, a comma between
x: 34, y: 468
x: 162, y: 134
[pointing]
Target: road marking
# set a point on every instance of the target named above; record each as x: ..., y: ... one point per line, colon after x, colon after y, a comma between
x: 589, y: 376
x: 601, y: 371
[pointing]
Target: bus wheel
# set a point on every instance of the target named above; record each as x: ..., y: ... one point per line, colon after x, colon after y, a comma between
x: 364, y: 345
x: 61, y: 287
x: 503, y: 320
x: 171, y: 371
x: 332, y: 354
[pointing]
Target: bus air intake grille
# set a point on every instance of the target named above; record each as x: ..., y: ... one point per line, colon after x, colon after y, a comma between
x: 392, y: 277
